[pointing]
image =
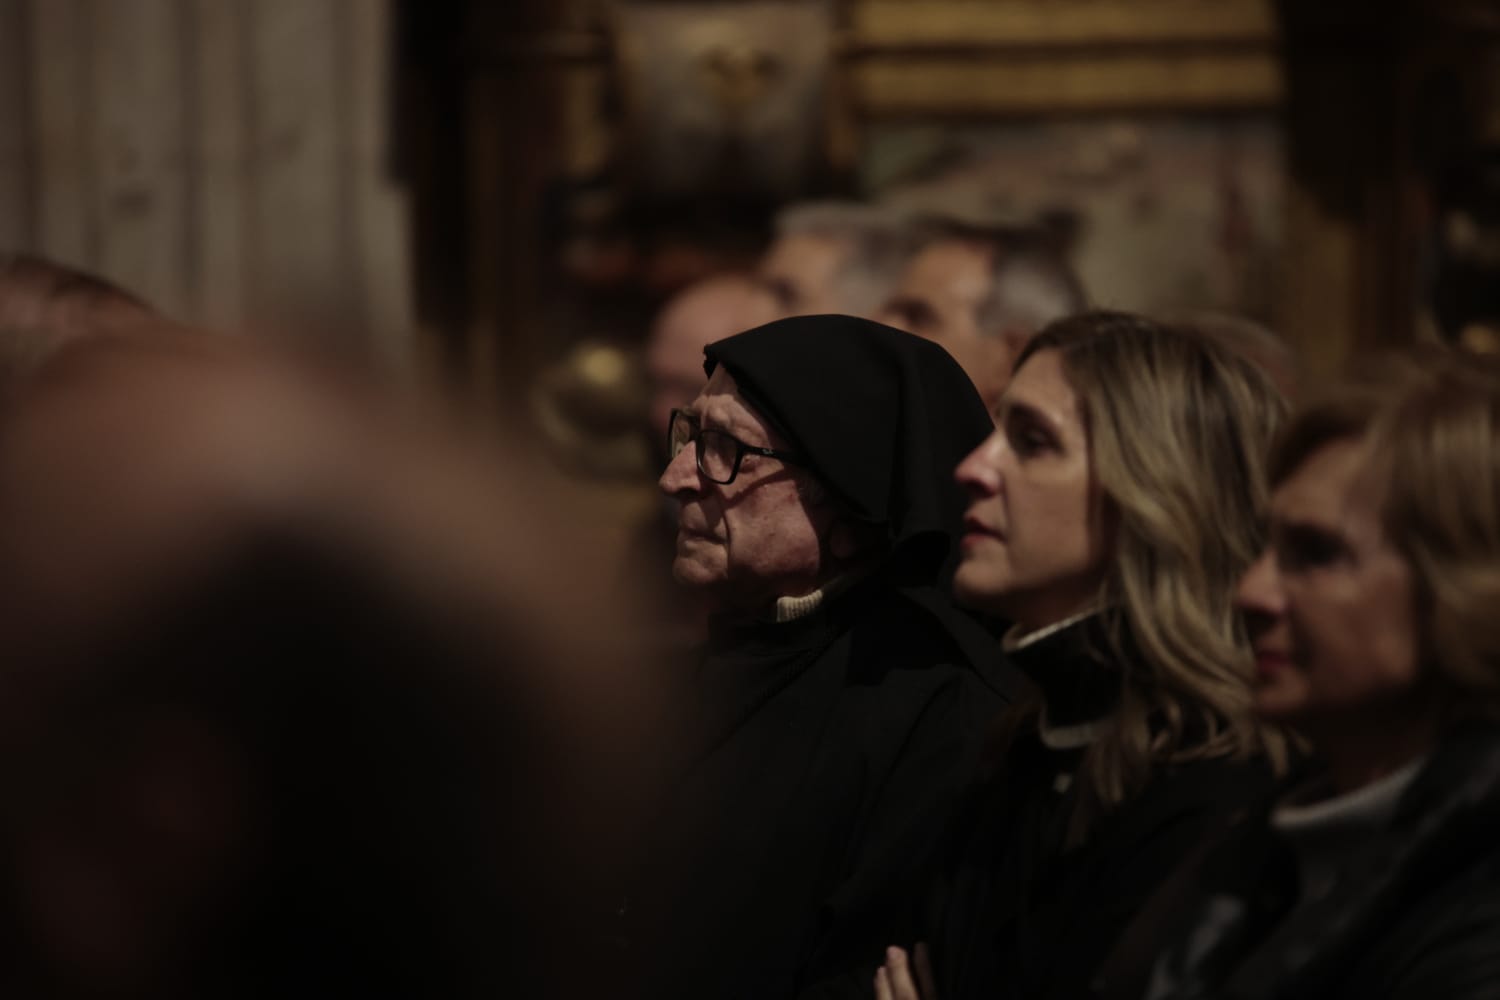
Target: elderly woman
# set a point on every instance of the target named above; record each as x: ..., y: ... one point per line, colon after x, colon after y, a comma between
x: 1373, y: 614
x: 840, y: 705
x: 1111, y: 513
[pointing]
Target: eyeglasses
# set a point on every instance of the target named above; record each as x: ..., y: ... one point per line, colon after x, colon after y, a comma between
x: 719, y: 454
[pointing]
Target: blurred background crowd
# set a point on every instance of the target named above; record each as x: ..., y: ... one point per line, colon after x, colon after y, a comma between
x: 500, y: 198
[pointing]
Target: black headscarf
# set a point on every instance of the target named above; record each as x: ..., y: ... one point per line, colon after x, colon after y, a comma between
x: 882, y: 417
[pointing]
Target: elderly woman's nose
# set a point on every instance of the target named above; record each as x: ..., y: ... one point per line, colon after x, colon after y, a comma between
x: 681, y: 473
x: 979, y: 472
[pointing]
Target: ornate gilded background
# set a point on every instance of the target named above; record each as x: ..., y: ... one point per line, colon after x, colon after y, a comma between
x: 1276, y: 158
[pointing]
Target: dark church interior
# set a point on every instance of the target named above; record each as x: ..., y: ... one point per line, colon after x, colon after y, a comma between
x: 750, y: 499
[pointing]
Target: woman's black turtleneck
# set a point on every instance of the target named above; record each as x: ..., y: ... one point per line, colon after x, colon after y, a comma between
x: 1018, y: 913
x: 1070, y: 664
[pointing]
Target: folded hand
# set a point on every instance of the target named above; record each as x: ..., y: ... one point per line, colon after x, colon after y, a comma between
x: 901, y: 978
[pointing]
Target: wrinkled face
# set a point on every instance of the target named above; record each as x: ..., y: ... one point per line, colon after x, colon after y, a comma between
x: 1329, y: 604
x: 757, y: 538
x: 801, y: 273
x: 1033, y: 549
x: 941, y: 294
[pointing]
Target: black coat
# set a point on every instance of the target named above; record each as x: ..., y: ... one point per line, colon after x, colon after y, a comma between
x: 1019, y: 914
x: 816, y: 796
x: 1414, y: 911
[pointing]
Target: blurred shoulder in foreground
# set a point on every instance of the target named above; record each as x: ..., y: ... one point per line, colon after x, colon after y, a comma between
x: 305, y: 693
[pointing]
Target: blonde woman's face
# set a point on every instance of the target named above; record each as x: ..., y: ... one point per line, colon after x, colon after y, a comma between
x: 1329, y: 605
x: 1032, y: 549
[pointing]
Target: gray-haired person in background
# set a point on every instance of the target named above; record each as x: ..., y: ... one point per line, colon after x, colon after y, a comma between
x: 45, y: 305
x: 835, y: 257
x: 981, y: 291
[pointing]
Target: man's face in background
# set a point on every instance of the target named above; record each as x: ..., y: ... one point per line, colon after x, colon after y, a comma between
x: 801, y: 273
x: 942, y: 296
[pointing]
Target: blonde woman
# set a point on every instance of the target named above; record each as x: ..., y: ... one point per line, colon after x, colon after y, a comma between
x: 1373, y: 619
x: 1112, y: 512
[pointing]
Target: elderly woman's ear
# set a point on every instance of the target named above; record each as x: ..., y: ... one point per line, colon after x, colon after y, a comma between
x: 849, y: 538
x: 846, y: 538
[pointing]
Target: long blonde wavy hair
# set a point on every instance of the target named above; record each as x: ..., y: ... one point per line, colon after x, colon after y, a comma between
x: 1179, y: 428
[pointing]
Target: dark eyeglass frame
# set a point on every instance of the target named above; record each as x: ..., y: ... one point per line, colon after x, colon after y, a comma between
x: 741, y: 449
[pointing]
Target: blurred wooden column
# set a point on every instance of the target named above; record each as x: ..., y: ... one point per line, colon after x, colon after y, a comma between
x: 1358, y: 115
x: 483, y: 85
x: 516, y: 54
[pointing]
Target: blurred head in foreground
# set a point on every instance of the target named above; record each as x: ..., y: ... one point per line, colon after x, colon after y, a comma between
x: 276, y: 666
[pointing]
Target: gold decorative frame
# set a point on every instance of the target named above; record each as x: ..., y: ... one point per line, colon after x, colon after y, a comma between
x: 1022, y: 57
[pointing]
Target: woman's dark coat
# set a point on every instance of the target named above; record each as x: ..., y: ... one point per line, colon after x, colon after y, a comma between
x: 1413, y: 913
x: 1018, y: 912
x: 827, y: 753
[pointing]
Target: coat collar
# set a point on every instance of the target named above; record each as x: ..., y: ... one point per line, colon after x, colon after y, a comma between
x: 1079, y: 675
x: 1443, y: 827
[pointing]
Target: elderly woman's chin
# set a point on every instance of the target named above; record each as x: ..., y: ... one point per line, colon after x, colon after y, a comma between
x: 696, y: 565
